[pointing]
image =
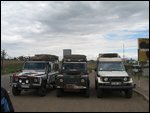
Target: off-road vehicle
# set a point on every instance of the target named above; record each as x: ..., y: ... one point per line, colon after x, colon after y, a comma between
x: 111, y: 75
x: 38, y: 73
x: 73, y: 75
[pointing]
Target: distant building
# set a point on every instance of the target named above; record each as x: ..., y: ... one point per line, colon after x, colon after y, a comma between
x: 66, y: 52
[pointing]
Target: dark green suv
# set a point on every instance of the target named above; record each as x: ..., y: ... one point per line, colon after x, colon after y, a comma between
x: 73, y: 75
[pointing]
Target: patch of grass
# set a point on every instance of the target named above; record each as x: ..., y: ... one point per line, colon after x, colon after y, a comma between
x: 11, y: 67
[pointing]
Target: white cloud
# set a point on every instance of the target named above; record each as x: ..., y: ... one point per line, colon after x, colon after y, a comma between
x: 15, y: 39
x: 31, y: 27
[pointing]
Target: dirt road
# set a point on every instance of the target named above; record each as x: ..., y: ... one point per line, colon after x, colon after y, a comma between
x: 112, y: 101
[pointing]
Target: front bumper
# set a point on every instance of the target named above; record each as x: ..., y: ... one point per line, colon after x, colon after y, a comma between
x: 119, y: 87
x: 26, y: 86
x: 72, y: 86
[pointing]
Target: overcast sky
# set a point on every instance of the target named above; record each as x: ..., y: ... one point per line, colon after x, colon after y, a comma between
x: 90, y: 28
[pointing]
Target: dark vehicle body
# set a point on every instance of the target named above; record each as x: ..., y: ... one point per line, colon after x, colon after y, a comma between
x: 73, y: 75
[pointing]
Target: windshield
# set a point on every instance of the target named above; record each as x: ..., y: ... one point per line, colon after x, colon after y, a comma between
x: 35, y: 66
x: 79, y: 66
x: 111, y: 66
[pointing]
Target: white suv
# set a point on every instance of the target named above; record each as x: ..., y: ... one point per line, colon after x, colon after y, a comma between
x: 111, y: 74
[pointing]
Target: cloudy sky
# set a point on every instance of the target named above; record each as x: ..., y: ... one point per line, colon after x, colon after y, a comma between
x: 90, y: 28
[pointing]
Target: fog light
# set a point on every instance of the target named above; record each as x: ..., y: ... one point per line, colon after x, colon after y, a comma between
x: 27, y: 81
x: 20, y: 81
x: 82, y: 80
x: 61, y: 80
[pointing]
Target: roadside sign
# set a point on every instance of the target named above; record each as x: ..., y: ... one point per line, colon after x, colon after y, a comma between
x: 143, y: 55
x: 143, y: 43
x: 143, y: 49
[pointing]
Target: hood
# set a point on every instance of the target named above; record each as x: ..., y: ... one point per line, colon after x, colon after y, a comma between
x: 113, y: 73
x: 31, y: 73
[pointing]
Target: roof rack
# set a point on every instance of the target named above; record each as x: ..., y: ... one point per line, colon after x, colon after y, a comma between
x: 109, y: 55
x: 44, y: 57
x: 75, y: 58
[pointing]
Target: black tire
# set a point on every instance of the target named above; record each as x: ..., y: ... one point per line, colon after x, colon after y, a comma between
x: 99, y: 93
x: 87, y: 93
x: 59, y: 92
x: 16, y: 91
x: 42, y: 91
x: 95, y: 85
x: 129, y: 93
x: 54, y: 86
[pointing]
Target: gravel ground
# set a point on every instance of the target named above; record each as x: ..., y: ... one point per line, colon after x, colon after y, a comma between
x: 111, y: 102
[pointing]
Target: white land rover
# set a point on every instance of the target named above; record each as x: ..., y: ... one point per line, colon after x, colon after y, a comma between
x: 111, y: 74
x: 38, y: 73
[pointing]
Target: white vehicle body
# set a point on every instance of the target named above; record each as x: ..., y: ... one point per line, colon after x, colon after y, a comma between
x: 111, y: 73
x: 38, y: 74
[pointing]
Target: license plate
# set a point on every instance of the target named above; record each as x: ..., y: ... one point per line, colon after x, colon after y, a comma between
x: 115, y: 83
x: 70, y: 86
x: 25, y: 86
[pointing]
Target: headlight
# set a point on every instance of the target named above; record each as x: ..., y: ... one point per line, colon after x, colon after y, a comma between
x: 61, y: 80
x: 27, y: 81
x: 125, y: 78
x: 105, y: 79
x: 15, y: 79
x: 20, y: 81
x: 82, y: 80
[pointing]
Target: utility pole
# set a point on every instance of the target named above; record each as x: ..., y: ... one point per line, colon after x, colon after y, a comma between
x: 3, y: 54
x: 123, y: 53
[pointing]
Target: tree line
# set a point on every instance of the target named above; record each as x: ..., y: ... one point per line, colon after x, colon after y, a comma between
x: 20, y: 58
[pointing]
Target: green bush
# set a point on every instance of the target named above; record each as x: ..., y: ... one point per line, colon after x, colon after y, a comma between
x: 11, y: 67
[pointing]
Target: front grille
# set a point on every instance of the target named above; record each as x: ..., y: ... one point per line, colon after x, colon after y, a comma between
x: 71, y: 80
x: 116, y: 79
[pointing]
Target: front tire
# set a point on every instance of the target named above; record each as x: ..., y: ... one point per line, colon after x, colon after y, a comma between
x: 42, y: 91
x: 129, y: 93
x: 95, y: 85
x: 87, y: 93
x: 99, y: 93
x: 16, y: 91
x: 59, y: 92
